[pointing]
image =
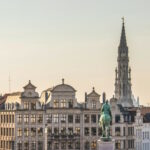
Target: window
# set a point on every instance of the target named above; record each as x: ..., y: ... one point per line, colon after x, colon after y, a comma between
x: 63, y: 118
x: 26, y: 118
x: 70, y: 103
x: 33, y: 145
x: 93, y: 118
x: 99, y: 132
x: 49, y: 118
x: 56, y: 103
x: 118, y: 145
x: 40, y: 145
x: 117, y: 118
x: 55, y: 118
x: 63, y: 145
x: 87, y: 145
x: 86, y: 118
x: 63, y: 131
x: 77, y: 145
x: 56, y: 145
x: 70, y: 118
x: 93, y: 145
x: 117, y: 131
x: 63, y: 104
x: 77, y: 118
x: 33, y: 118
x: 49, y: 131
x: 33, y: 132
x: 93, y: 131
x: 86, y: 131
x: 77, y: 131
x: 33, y: 105
x: 70, y: 131
x: 56, y: 131
x: 70, y: 145
x: 19, y: 145
x: 130, y: 143
x: 40, y: 131
x: 94, y: 104
x: 26, y: 132
x: 40, y: 118
x: 26, y: 105
x: 19, y: 132
x: 19, y: 118
x: 26, y: 145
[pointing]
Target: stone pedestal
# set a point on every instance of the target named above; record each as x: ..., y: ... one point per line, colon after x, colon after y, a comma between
x: 109, y: 145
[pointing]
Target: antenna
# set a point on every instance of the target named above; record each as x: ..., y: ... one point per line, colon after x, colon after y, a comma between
x: 9, y: 82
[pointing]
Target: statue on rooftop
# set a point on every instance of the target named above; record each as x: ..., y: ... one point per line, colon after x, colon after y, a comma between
x: 105, y: 121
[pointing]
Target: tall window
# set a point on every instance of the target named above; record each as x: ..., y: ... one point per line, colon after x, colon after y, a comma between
x: 93, y: 118
x: 19, y: 132
x: 93, y: 131
x: 118, y: 144
x: 93, y: 145
x: 33, y: 105
x: 26, y: 145
x: 117, y: 118
x: 70, y: 118
x: 40, y: 145
x: 86, y: 118
x: 40, y: 118
x: 63, y: 118
x: 77, y: 118
x: 63, y: 145
x: 70, y: 145
x: 87, y: 145
x: 49, y: 118
x: 33, y: 132
x: 94, y: 104
x: 33, y: 118
x: 117, y: 131
x: 77, y: 131
x: 56, y: 103
x: 56, y: 131
x: 40, y: 131
x: 86, y: 131
x: 70, y: 103
x: 63, y: 104
x: 77, y: 145
x: 63, y: 131
x: 49, y: 131
x: 19, y: 145
x: 19, y: 118
x: 33, y: 145
x: 55, y: 118
x: 70, y: 131
x: 26, y: 118
x: 26, y: 105
x: 26, y: 132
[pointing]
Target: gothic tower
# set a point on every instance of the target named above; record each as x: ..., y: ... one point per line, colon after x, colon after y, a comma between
x: 123, y: 73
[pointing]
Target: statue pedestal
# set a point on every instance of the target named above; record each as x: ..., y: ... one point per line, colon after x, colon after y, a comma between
x: 108, y: 145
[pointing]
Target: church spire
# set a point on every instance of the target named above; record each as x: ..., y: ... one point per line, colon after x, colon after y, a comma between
x: 123, y: 42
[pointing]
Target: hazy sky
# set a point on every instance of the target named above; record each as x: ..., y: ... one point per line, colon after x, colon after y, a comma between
x: 46, y: 40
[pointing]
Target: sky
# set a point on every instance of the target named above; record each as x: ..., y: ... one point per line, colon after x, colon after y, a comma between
x: 46, y: 40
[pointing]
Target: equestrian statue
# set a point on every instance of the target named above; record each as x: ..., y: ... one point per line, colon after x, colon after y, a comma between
x: 105, y: 120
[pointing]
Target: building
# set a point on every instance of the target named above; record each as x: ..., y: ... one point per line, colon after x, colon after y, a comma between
x: 58, y: 122
x: 142, y: 129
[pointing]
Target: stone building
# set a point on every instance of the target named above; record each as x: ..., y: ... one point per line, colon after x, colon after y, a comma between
x: 53, y: 121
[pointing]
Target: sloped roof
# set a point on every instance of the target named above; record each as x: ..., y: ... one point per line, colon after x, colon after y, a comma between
x: 29, y: 86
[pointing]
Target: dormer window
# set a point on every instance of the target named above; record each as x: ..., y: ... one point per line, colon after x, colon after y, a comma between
x: 26, y: 105
x: 70, y: 103
x: 94, y: 104
x: 63, y: 104
x: 56, y: 103
x: 33, y: 106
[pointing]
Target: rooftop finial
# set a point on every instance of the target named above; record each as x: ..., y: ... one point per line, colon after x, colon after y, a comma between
x: 63, y: 80
x: 122, y: 20
x: 93, y: 88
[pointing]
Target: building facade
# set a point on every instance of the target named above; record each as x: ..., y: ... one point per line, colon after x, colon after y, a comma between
x: 53, y: 121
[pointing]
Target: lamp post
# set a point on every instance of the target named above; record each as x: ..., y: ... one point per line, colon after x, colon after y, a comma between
x: 45, y: 136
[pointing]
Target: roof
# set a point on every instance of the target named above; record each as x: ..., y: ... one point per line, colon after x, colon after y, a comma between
x: 29, y: 86
x: 93, y: 93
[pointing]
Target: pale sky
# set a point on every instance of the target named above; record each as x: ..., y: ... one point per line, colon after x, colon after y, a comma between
x: 47, y: 40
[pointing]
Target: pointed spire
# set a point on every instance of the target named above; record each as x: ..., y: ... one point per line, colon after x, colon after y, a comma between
x: 123, y: 42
